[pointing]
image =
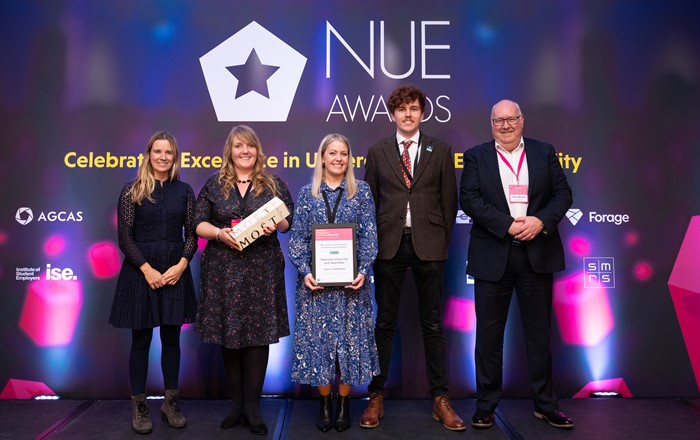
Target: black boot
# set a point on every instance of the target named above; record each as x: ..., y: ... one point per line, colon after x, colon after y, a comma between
x: 342, y: 413
x: 325, y: 414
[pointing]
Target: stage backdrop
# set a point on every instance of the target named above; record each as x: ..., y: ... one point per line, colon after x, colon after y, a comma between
x: 614, y: 85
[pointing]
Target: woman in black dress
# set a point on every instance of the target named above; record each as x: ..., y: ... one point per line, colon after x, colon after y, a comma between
x: 155, y: 286
x: 243, y: 302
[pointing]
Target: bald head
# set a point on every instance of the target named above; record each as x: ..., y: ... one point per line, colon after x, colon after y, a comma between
x: 507, y: 122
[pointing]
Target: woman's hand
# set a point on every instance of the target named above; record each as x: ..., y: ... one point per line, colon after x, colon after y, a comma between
x: 225, y: 238
x: 311, y: 283
x: 358, y: 282
x: 173, y: 274
x: 153, y: 277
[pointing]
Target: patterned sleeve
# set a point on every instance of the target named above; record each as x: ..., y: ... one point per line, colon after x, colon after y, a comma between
x: 300, y: 237
x: 190, y: 234
x: 367, y: 246
x: 203, y: 207
x: 126, y: 211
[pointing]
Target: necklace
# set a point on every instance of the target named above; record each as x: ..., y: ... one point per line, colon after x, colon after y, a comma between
x: 243, y: 181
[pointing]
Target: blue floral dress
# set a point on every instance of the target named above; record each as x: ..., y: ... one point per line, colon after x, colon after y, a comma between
x: 334, y: 324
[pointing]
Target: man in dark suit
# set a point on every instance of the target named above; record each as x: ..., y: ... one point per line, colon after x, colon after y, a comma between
x: 516, y: 193
x: 413, y: 183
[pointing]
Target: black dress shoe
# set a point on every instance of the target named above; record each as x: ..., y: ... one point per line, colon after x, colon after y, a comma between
x: 555, y: 418
x: 231, y: 422
x: 259, y: 428
x: 482, y: 419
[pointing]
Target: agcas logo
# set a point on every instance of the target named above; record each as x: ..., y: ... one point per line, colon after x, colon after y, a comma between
x: 252, y: 76
x: 25, y: 215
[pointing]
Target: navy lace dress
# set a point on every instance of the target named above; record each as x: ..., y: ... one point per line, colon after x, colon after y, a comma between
x: 160, y: 233
x: 243, y: 299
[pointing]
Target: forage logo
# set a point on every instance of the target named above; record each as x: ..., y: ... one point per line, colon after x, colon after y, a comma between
x: 24, y: 215
x: 574, y: 215
x: 252, y: 76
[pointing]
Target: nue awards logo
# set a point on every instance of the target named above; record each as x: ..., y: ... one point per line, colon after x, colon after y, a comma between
x: 252, y: 76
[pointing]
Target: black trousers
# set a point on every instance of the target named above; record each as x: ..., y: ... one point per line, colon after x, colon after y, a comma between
x: 492, y: 301
x: 388, y: 280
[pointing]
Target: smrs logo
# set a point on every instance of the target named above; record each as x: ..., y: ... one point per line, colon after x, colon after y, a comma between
x: 25, y: 215
x: 598, y: 272
x: 252, y: 76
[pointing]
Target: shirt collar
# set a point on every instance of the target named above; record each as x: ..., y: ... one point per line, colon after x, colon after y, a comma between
x: 517, y: 149
x: 415, y: 138
x: 325, y: 187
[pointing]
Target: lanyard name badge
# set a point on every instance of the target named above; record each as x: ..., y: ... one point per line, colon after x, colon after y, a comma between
x: 331, y: 214
x: 516, y: 193
x: 243, y: 204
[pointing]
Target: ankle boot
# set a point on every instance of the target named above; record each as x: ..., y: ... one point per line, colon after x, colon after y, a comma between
x: 170, y: 409
x: 140, y: 418
x: 342, y: 413
x: 325, y: 414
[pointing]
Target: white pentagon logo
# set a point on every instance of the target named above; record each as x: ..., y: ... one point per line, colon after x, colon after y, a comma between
x: 270, y: 64
x: 24, y: 215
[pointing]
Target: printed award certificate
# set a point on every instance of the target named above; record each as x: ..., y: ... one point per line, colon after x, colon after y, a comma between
x: 333, y: 253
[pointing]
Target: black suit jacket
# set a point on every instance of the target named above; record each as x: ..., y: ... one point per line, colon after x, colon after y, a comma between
x: 433, y: 197
x: 481, y: 197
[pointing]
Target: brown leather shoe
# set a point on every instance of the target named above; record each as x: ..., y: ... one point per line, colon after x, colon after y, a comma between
x: 443, y: 412
x: 373, y: 412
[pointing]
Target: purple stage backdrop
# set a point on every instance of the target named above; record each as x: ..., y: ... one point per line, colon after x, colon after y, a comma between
x: 614, y: 85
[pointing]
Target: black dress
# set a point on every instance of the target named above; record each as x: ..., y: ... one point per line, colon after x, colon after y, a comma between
x: 243, y: 300
x: 153, y: 233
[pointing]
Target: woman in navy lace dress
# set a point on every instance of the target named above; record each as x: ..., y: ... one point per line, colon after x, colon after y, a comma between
x: 243, y: 300
x: 334, y: 333
x: 155, y: 286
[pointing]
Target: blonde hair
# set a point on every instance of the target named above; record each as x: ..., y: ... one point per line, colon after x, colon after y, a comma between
x: 145, y: 182
x: 260, y: 179
x: 320, y: 169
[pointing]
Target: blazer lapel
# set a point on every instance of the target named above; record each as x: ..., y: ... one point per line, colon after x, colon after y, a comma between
x: 424, y: 157
x: 533, y: 162
x: 491, y: 161
x: 391, y: 153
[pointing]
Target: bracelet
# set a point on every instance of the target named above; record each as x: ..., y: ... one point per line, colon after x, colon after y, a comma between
x: 217, y: 234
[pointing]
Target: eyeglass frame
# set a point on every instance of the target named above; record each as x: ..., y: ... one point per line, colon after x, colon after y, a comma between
x: 515, y: 119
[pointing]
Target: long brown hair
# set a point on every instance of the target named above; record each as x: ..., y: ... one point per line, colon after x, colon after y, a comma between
x: 145, y: 182
x: 261, y: 179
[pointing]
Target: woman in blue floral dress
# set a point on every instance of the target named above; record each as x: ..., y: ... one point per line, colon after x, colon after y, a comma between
x: 334, y: 332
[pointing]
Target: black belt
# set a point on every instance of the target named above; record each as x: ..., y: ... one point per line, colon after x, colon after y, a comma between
x: 406, y: 230
x: 514, y: 242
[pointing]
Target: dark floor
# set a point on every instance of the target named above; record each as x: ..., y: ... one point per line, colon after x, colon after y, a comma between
x: 600, y: 419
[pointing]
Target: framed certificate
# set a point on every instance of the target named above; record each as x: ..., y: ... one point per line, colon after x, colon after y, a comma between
x: 334, y: 253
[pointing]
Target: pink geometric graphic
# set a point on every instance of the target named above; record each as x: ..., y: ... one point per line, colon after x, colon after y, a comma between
x: 684, y: 285
x: 583, y: 315
x: 460, y: 315
x: 104, y: 259
x: 25, y: 389
x: 617, y: 385
x: 51, y: 311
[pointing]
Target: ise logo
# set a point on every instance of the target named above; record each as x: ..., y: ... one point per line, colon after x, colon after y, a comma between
x: 252, y: 76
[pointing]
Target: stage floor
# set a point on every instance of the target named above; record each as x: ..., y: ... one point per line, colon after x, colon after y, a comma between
x: 600, y: 419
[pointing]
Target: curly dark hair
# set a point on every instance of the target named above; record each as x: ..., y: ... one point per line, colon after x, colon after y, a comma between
x: 404, y: 94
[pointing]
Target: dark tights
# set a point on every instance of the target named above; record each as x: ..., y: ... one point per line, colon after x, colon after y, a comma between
x: 246, y: 372
x: 169, y: 358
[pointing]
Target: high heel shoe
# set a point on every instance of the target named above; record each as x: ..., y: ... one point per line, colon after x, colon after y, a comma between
x: 342, y: 413
x: 325, y: 417
x: 256, y: 428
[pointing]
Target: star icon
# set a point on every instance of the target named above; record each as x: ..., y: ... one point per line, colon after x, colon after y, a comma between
x: 252, y: 76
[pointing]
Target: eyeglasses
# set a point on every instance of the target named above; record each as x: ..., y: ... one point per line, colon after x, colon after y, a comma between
x: 511, y: 121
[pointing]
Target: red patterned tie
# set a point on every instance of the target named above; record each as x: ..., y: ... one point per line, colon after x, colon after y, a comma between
x: 406, y: 158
